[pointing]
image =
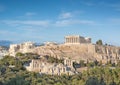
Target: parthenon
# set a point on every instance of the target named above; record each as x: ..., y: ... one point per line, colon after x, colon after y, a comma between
x: 76, y: 39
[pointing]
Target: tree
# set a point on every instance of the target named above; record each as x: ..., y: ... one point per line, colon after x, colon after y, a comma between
x: 90, y: 64
x: 99, y: 42
x: 112, y: 83
x: 92, y: 81
x: 19, y: 54
x: 102, y: 81
x: 96, y: 63
x: 18, y: 80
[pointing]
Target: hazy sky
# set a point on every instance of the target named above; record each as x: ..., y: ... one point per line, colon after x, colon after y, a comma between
x: 51, y: 20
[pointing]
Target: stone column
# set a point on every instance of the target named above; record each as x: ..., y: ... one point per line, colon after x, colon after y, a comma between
x: 73, y: 40
x: 66, y: 40
x: 76, y: 40
x: 69, y: 40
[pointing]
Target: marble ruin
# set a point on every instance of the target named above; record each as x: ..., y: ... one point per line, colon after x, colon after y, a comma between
x: 23, y: 47
x: 76, y: 39
x: 49, y: 68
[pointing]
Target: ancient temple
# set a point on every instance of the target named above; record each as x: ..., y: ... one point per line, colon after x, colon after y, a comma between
x: 76, y: 39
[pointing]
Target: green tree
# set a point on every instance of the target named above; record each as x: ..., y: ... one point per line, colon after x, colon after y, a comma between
x: 92, y: 81
x: 19, y: 54
x: 112, y: 83
x: 18, y: 80
x: 90, y: 64
x: 99, y: 42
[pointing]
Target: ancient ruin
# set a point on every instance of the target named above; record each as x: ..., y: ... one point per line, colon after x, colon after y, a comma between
x: 75, y: 48
x: 76, y: 39
x: 23, y: 47
x: 49, y: 68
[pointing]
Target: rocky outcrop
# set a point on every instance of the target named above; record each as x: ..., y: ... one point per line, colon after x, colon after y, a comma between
x: 79, y: 52
x: 107, y: 53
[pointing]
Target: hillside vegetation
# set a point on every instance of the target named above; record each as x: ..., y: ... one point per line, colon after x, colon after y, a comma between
x: 17, y: 75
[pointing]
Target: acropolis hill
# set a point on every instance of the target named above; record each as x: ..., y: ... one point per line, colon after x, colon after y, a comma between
x: 75, y: 48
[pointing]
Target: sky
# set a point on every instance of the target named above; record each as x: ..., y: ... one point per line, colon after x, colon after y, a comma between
x: 51, y: 20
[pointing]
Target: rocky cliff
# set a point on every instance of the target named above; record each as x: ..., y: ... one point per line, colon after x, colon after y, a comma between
x: 79, y: 52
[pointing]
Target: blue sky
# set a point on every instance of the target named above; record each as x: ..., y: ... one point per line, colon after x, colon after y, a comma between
x: 51, y: 20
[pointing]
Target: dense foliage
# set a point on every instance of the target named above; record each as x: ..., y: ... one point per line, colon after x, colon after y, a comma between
x: 54, y: 60
x: 18, y: 75
x: 99, y: 42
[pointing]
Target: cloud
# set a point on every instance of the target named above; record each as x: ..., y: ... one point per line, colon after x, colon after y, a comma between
x: 4, y: 32
x: 88, y: 3
x: 30, y: 14
x: 65, y: 15
x: 27, y: 22
x: 27, y: 28
x: 64, y: 19
x: 16, y: 36
x: 47, y: 23
x: 27, y: 15
x: 73, y: 22
x: 70, y: 15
